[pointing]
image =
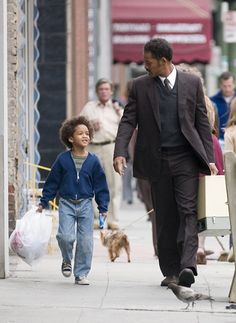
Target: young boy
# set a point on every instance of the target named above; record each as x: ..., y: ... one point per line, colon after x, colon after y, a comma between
x: 76, y: 176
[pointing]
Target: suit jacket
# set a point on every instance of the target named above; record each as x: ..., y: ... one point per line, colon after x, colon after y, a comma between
x: 142, y: 112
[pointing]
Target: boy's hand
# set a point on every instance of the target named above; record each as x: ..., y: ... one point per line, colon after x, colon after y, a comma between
x: 39, y: 209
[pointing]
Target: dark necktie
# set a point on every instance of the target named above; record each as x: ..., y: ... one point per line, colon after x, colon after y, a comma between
x: 167, y: 84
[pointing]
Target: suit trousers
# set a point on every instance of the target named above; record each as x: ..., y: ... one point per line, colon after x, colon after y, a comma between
x: 174, y: 197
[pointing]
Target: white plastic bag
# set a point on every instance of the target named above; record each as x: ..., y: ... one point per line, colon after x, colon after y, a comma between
x: 30, y: 238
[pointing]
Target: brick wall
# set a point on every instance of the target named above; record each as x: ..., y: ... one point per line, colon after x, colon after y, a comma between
x: 79, y: 54
x: 12, y: 109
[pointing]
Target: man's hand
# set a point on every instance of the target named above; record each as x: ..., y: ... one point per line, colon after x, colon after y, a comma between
x: 213, y: 168
x: 118, y: 108
x: 40, y: 208
x: 96, y: 124
x: 119, y: 165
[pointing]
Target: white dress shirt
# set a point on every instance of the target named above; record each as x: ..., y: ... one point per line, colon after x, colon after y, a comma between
x: 108, y: 117
x: 171, y: 78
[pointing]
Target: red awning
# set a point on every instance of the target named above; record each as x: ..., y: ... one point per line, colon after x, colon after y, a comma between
x: 186, y: 24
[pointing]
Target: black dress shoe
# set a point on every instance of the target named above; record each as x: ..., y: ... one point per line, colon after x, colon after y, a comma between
x: 169, y: 279
x: 186, y: 277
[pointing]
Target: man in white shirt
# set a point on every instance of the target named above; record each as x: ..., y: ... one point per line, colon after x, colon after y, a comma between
x: 104, y: 115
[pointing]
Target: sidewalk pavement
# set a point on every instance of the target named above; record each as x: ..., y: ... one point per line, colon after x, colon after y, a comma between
x: 119, y: 292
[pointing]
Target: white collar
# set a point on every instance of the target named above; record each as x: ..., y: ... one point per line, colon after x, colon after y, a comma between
x: 108, y: 103
x: 171, y: 77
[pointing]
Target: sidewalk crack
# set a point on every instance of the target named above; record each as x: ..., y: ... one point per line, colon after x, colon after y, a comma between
x: 106, y: 289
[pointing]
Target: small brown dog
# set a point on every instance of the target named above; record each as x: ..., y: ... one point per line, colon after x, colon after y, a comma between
x: 115, y: 241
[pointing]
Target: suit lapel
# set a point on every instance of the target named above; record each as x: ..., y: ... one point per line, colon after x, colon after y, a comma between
x: 154, y: 99
x: 182, y: 87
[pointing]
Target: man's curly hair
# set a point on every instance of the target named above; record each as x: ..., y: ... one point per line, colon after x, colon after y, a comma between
x: 159, y: 47
x: 68, y: 128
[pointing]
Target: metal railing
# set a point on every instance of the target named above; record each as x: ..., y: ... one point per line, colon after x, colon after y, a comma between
x: 33, y: 185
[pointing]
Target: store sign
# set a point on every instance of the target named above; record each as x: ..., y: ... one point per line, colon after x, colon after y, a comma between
x: 135, y: 33
x: 179, y: 28
x: 230, y: 27
x: 190, y: 40
x: 130, y: 27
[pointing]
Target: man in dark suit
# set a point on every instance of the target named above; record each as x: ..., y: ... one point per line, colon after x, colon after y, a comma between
x: 173, y: 146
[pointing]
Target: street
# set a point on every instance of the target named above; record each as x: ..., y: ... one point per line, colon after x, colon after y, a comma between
x: 119, y: 291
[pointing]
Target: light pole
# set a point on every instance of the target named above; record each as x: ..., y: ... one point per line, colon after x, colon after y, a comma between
x: 4, y: 255
x: 232, y: 46
x: 104, y: 62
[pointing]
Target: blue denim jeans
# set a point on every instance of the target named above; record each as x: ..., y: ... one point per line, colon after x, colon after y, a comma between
x: 76, y: 223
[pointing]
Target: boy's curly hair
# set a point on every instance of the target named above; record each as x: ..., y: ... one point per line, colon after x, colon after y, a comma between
x: 68, y: 128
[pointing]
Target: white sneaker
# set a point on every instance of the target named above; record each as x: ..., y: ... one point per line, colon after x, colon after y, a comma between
x: 82, y: 281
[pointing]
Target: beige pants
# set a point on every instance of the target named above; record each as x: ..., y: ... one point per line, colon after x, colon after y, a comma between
x: 114, y: 182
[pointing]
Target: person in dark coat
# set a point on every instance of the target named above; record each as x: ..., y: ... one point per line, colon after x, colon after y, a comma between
x: 222, y: 100
x: 174, y: 144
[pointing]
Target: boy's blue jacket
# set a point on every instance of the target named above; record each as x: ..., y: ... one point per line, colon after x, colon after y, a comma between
x: 64, y: 181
